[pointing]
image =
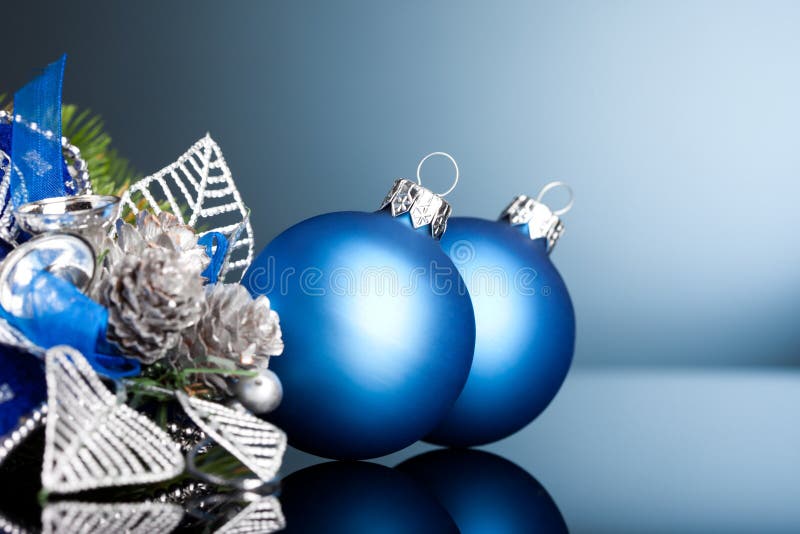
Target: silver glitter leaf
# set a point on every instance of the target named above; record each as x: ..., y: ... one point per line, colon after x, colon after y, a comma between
x: 260, y: 517
x: 93, y: 441
x: 254, y: 442
x: 199, y: 189
x: 132, y: 518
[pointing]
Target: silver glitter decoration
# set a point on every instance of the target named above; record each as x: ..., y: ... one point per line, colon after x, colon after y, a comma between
x: 260, y: 517
x: 27, y: 425
x: 129, y: 518
x: 200, y: 180
x: 254, y: 442
x: 91, y: 440
x: 423, y: 205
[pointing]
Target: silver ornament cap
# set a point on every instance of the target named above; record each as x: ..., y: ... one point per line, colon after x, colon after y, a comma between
x: 261, y: 393
x: 542, y: 221
x: 425, y: 207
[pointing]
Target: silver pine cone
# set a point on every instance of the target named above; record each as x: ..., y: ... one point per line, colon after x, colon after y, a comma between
x: 235, y: 332
x: 152, y: 297
x: 164, y: 230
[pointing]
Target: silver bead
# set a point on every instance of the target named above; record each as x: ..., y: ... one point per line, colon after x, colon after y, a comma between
x: 260, y: 394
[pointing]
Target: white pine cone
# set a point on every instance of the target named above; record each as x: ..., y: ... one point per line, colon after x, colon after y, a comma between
x: 236, y: 327
x: 164, y: 230
x: 151, y: 298
x: 236, y: 331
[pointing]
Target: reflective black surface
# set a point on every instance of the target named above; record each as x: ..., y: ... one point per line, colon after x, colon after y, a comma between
x: 618, y: 451
x: 347, y: 497
x: 483, y: 492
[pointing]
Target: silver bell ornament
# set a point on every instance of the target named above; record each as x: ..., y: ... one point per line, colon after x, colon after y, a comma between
x: 261, y: 393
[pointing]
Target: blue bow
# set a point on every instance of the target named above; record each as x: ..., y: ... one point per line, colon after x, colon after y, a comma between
x: 54, y: 312
x: 217, y: 249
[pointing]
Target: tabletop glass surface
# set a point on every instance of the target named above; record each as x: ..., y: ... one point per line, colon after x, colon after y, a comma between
x: 619, y: 450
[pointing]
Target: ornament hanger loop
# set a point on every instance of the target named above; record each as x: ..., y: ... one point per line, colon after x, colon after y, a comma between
x: 452, y: 160
x: 555, y: 185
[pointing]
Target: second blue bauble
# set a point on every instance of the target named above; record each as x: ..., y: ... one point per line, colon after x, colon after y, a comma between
x: 378, y: 335
x: 525, y: 329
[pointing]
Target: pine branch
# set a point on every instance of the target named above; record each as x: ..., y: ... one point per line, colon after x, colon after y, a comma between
x: 110, y: 173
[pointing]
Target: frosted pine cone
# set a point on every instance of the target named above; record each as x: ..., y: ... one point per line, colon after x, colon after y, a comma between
x: 151, y: 298
x: 164, y: 230
x: 235, y: 332
x: 236, y: 327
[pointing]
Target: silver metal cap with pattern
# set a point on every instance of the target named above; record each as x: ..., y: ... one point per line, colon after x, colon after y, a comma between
x: 541, y: 220
x: 423, y: 205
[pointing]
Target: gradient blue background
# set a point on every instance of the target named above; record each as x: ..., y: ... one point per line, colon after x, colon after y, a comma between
x: 675, y: 122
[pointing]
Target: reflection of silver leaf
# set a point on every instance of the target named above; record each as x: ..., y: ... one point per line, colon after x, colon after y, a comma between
x: 8, y: 526
x: 260, y: 517
x: 254, y: 442
x: 91, y: 440
x: 199, y: 189
x: 89, y: 518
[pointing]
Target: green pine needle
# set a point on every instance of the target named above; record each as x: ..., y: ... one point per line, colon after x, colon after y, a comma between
x: 111, y: 174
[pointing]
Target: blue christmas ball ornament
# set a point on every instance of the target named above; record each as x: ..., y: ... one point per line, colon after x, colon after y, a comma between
x: 524, y: 319
x: 484, y: 493
x: 377, y: 325
x: 360, y: 498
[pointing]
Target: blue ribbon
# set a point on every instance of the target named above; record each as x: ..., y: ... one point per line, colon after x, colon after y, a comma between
x: 55, y: 312
x: 37, y: 162
x: 217, y: 248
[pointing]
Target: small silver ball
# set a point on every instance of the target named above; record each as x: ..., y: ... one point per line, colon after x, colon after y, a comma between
x: 260, y: 394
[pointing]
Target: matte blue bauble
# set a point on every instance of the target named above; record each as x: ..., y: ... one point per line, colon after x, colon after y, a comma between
x: 360, y: 498
x: 485, y: 493
x: 378, y: 332
x: 525, y: 329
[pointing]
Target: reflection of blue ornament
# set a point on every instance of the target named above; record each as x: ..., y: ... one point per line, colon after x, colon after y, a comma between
x: 378, y: 329
x: 23, y: 393
x: 485, y: 493
x: 525, y: 324
x: 356, y: 497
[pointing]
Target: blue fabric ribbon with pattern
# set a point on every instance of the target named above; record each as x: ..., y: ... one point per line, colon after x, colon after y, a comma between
x: 37, y: 169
